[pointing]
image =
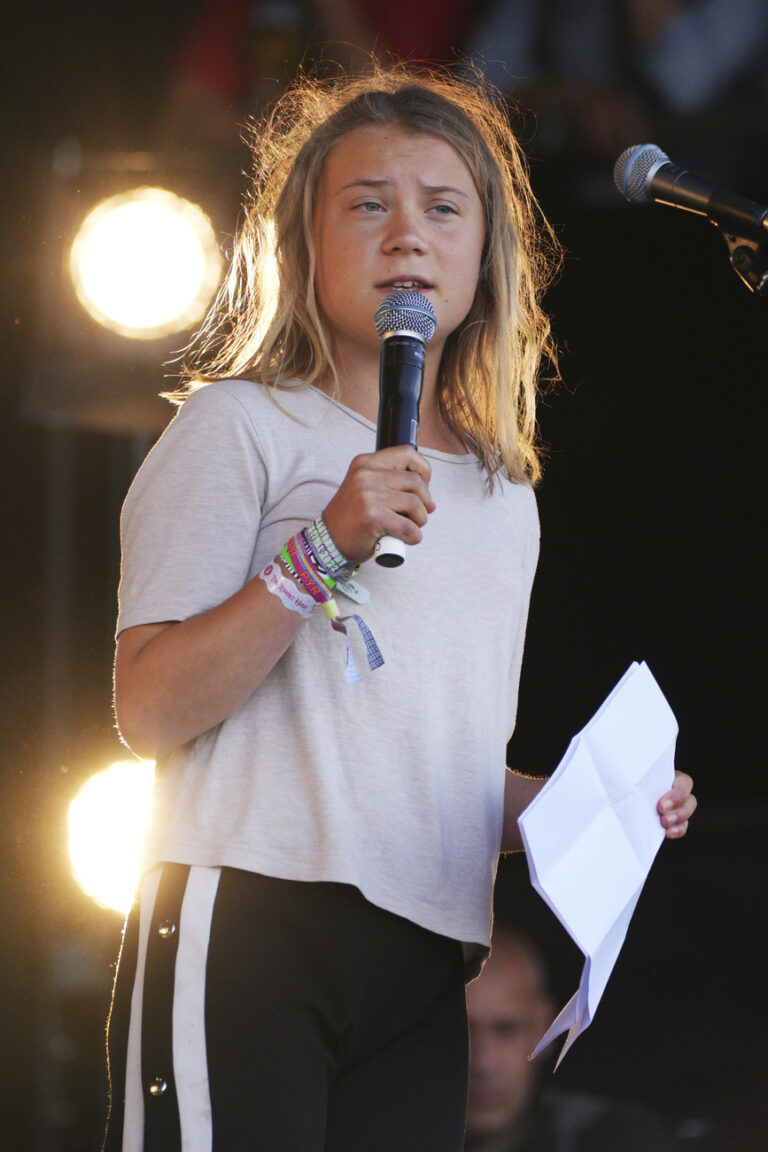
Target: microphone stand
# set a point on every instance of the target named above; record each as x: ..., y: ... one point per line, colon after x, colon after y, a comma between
x: 749, y: 260
x: 747, y: 245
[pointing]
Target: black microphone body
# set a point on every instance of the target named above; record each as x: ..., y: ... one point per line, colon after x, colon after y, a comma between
x: 405, y: 321
x: 401, y: 376
x: 644, y: 173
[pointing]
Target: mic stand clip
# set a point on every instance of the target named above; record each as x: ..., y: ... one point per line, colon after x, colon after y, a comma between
x: 749, y: 260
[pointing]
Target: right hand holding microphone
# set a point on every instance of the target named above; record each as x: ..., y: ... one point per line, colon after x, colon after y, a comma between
x: 384, y: 493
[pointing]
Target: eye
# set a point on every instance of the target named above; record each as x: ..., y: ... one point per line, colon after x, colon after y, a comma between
x: 444, y: 210
x: 510, y: 1030
x: 368, y: 206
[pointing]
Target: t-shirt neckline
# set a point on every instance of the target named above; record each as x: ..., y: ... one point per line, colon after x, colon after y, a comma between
x: 433, y: 453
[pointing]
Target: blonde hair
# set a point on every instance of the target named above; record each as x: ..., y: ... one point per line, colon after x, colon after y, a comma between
x: 266, y: 323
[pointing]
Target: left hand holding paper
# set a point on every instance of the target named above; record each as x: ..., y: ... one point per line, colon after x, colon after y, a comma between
x: 593, y: 831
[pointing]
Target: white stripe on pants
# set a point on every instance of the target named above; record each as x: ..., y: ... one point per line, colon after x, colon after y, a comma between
x: 190, y: 1068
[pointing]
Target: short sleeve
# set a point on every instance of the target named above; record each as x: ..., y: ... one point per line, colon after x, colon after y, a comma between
x: 190, y: 520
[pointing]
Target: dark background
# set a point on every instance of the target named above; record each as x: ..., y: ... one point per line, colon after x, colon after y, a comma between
x: 651, y: 512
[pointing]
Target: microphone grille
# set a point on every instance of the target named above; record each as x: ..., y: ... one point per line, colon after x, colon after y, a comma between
x: 406, y: 311
x: 632, y: 169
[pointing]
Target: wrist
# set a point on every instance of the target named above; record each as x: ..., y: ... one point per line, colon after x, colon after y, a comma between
x: 299, y: 560
x: 330, y: 558
x: 290, y: 595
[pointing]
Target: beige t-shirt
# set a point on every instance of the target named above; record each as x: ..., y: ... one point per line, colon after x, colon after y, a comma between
x: 396, y: 784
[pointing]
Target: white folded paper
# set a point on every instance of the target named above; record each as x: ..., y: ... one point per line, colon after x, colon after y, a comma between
x: 592, y: 832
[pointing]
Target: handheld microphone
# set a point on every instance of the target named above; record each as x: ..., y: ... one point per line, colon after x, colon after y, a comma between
x: 644, y: 173
x: 405, y: 321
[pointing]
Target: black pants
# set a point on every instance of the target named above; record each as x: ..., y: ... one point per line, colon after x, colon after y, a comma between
x: 278, y: 1016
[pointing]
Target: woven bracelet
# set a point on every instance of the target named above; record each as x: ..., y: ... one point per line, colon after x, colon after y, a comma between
x: 303, y: 565
x: 327, y: 552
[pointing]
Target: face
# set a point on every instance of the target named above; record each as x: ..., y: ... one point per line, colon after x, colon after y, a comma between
x: 507, y: 1018
x: 395, y: 209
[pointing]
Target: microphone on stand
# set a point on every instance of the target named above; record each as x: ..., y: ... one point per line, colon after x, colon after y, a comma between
x: 405, y: 321
x: 644, y: 173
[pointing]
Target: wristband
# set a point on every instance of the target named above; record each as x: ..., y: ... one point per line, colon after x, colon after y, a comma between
x: 327, y: 552
x: 300, y: 563
x: 285, y: 591
x: 300, y: 560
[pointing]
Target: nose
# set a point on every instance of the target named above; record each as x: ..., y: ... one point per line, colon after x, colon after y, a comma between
x: 482, y: 1058
x: 405, y: 233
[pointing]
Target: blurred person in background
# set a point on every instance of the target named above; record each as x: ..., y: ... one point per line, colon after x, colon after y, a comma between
x: 601, y: 75
x: 239, y: 55
x: 511, y: 1106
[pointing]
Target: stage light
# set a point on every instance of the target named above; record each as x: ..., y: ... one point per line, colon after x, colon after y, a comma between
x: 145, y: 263
x: 96, y: 365
x: 106, y: 822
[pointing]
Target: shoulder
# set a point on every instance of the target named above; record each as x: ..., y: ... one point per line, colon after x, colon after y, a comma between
x: 212, y: 444
x: 252, y: 397
x: 234, y: 399
x: 608, y: 1123
x: 265, y: 409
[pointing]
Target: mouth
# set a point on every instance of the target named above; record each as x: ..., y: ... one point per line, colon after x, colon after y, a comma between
x: 485, y: 1096
x: 413, y: 284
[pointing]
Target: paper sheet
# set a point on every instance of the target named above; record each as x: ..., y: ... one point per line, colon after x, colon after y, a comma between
x: 592, y: 832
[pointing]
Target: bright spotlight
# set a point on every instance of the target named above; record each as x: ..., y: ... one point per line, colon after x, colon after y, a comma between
x: 146, y: 263
x: 106, y: 822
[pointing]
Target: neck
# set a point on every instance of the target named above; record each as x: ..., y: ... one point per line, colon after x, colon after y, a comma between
x: 359, y: 390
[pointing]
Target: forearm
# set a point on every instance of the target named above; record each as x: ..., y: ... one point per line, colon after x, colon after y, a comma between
x: 519, y: 791
x: 175, y: 681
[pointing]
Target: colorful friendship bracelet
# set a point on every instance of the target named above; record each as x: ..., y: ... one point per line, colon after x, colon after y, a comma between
x: 323, y: 567
x: 302, y: 563
x: 298, y: 559
x: 331, y: 558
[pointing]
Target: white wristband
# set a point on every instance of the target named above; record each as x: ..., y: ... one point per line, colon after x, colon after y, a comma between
x: 286, y: 592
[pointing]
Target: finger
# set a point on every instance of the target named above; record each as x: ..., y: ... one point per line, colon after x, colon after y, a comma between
x: 404, y: 458
x: 681, y: 788
x: 374, y: 501
x: 407, y: 504
x: 675, y: 818
x: 399, y: 468
x: 682, y: 809
x: 683, y: 782
x: 676, y: 831
x: 398, y: 511
x: 403, y: 524
x: 378, y: 490
x: 402, y: 488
